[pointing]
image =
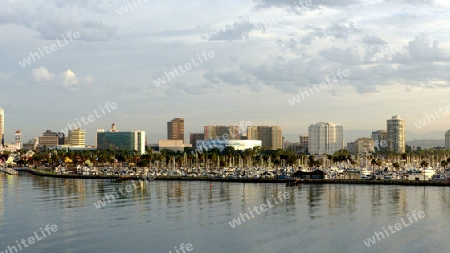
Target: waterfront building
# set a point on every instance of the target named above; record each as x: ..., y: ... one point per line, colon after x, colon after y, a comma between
x: 396, y: 134
x: 380, y: 140
x: 221, y: 144
x: 304, y: 139
x: 10, y: 147
x: 194, y: 137
x: 129, y: 141
x: 2, y: 127
x: 174, y: 145
x: 31, y: 144
x: 300, y: 147
x: 18, y: 139
x: 325, y: 138
x: 77, y: 138
x: 50, y: 139
x: 175, y: 129
x: 221, y: 133
x: 270, y: 136
x: 351, y: 148
x: 361, y: 146
x: 295, y: 147
x: 447, y: 139
x: 74, y: 148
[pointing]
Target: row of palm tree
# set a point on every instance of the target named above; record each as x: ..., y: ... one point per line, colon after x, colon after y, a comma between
x: 228, y: 156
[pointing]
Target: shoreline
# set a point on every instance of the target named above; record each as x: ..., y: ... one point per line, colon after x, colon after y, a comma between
x: 288, y: 182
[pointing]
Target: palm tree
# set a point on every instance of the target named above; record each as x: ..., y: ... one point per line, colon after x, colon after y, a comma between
x: 444, y: 165
x: 373, y: 163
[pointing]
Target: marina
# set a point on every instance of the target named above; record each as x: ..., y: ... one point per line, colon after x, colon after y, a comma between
x: 290, y: 179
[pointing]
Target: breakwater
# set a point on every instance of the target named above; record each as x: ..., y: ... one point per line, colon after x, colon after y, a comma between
x: 288, y: 182
x: 8, y: 171
x: 292, y: 182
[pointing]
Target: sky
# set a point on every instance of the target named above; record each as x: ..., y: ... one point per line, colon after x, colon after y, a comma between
x: 240, y: 61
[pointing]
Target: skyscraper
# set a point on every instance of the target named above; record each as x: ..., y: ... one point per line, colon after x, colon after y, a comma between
x: 396, y: 134
x: 2, y: 127
x: 18, y: 139
x: 270, y: 136
x: 325, y: 138
x: 77, y: 137
x: 175, y: 129
x: 447, y: 139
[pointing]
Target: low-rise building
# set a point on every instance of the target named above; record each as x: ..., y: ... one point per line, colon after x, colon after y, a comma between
x: 221, y: 144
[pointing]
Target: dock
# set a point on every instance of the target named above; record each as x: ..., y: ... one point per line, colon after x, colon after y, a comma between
x: 9, y: 171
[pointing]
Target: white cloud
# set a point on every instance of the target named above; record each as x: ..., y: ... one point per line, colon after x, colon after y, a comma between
x: 389, y: 47
x: 69, y: 79
x: 42, y: 74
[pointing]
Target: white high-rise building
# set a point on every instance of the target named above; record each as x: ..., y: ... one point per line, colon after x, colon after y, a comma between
x: 2, y: 127
x: 396, y: 134
x: 139, y: 141
x: 325, y: 138
x: 447, y: 139
x: 18, y: 139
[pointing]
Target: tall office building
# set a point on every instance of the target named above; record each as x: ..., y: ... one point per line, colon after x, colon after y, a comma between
x: 221, y: 133
x: 325, y: 138
x: 2, y: 127
x: 380, y: 139
x: 18, y: 139
x: 175, y: 129
x: 77, y: 137
x: 270, y: 136
x: 447, y: 139
x: 396, y: 134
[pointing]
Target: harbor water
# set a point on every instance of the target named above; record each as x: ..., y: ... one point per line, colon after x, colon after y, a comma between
x: 199, y: 216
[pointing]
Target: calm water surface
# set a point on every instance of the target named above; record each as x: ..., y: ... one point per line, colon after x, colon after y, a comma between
x: 158, y: 216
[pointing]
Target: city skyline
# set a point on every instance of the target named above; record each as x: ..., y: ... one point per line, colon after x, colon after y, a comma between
x: 154, y: 137
x: 352, y: 62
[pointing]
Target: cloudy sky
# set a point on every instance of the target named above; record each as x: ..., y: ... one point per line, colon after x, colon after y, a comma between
x: 257, y: 55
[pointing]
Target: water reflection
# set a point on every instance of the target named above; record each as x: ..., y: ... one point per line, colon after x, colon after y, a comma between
x: 170, y: 212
